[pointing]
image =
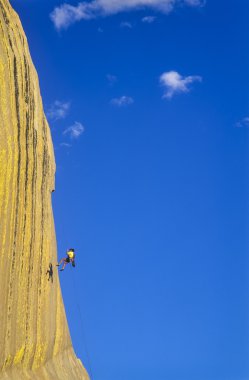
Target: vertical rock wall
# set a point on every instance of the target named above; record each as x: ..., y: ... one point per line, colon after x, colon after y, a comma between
x: 34, y: 337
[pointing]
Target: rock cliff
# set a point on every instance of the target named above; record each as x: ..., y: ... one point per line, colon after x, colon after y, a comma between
x: 34, y: 338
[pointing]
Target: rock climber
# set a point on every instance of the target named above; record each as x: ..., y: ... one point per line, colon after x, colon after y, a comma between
x: 69, y: 259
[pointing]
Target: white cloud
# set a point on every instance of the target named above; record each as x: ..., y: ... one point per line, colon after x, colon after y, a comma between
x: 175, y: 83
x: 122, y: 101
x: 75, y: 130
x: 66, y: 145
x: 58, y: 110
x: 112, y: 79
x: 148, y: 19
x: 243, y: 123
x: 126, y: 24
x: 195, y: 3
x: 66, y: 14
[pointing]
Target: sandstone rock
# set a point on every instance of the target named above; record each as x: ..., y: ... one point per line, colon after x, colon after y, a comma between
x: 34, y: 337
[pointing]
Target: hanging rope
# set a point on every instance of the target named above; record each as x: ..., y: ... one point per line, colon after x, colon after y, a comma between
x: 82, y: 328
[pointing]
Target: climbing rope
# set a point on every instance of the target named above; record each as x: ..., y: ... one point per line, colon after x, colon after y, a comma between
x: 82, y: 328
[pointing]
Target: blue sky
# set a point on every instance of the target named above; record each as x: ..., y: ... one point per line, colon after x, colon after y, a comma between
x: 148, y: 107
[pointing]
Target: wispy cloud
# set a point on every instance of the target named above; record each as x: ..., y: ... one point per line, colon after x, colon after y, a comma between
x: 244, y: 123
x: 196, y: 3
x: 148, y: 19
x: 126, y: 24
x: 66, y: 14
x: 174, y: 83
x: 75, y: 130
x: 58, y: 110
x: 112, y: 79
x: 66, y: 145
x: 122, y: 101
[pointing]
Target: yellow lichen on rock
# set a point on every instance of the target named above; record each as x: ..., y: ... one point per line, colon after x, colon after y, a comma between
x: 34, y: 337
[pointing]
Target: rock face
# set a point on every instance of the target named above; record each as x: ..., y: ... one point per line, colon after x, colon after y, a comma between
x: 34, y: 338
